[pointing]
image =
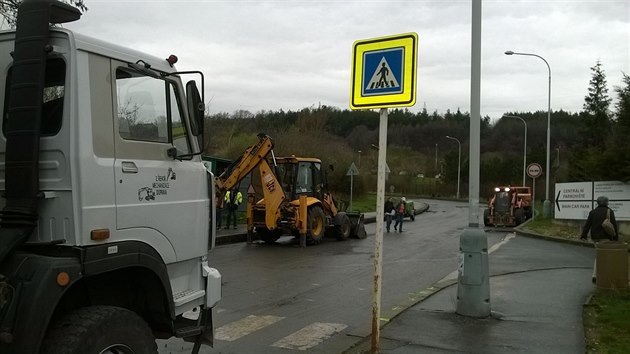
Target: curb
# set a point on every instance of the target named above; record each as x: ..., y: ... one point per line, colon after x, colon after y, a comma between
x: 532, y: 234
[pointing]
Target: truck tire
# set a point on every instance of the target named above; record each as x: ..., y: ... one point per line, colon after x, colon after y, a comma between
x: 316, y: 225
x: 519, y: 216
x: 100, y: 329
x: 343, y: 227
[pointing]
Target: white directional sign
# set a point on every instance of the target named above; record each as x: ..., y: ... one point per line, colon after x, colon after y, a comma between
x: 575, y: 200
x: 618, y: 194
x: 534, y: 170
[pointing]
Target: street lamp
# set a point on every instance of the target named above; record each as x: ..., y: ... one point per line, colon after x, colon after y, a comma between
x: 459, y: 161
x: 359, y: 158
x: 524, y: 146
x: 547, y: 203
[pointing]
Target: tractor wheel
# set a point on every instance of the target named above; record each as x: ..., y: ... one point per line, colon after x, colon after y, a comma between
x: 316, y: 225
x: 342, y: 229
x: 486, y: 217
x: 519, y: 216
x: 100, y: 329
x: 268, y: 236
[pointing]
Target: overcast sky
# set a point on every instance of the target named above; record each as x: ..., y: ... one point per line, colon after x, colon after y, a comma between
x: 284, y: 54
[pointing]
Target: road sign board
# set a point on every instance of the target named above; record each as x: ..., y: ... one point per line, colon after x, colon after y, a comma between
x: 384, y: 72
x: 576, y: 200
x: 534, y: 170
x: 618, y: 194
x: 353, y: 170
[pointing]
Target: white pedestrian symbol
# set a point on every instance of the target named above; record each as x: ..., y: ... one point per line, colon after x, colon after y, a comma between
x: 382, y: 77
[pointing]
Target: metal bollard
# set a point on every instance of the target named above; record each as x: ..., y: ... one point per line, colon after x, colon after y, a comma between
x: 473, y: 286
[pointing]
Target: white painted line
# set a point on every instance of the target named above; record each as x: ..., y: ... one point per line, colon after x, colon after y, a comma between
x: 235, y: 330
x: 454, y: 274
x: 309, y: 336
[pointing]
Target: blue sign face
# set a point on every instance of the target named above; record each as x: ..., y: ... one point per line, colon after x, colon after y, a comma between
x: 383, y: 72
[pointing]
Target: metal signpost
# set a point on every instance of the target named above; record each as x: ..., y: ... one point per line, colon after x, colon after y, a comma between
x: 352, y: 171
x: 534, y: 170
x: 383, y: 75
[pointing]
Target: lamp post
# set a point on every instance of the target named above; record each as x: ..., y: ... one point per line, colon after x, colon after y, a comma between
x: 459, y: 161
x: 547, y: 202
x: 524, y: 146
x: 359, y: 158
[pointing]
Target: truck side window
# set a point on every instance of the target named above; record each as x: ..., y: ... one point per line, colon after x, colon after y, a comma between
x: 148, y: 110
x: 53, y: 95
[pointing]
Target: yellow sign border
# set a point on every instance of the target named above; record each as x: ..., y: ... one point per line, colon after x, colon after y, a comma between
x: 407, y: 98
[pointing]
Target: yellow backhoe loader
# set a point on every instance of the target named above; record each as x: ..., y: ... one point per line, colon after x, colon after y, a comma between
x: 295, y: 198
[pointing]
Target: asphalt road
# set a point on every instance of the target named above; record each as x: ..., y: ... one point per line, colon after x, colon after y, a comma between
x: 281, y: 298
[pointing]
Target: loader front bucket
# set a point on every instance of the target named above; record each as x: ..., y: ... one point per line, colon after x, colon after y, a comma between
x: 357, y: 227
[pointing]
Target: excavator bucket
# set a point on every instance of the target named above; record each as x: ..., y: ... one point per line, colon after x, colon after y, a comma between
x: 357, y: 226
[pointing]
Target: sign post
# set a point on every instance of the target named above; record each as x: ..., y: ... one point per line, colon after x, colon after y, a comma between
x: 534, y: 170
x: 352, y: 171
x: 383, y: 75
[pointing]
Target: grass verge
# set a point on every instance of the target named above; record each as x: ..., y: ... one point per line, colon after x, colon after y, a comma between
x: 607, y: 322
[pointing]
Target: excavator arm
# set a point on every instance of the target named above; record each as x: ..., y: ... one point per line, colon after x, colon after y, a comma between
x: 256, y: 156
x: 251, y: 158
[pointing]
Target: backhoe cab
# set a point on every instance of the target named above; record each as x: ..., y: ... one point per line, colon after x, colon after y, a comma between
x: 295, y: 197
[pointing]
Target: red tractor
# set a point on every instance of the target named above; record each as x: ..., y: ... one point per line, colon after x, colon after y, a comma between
x: 509, y: 206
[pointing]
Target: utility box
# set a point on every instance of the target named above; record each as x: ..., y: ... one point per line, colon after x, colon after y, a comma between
x: 611, y: 265
x: 473, y: 285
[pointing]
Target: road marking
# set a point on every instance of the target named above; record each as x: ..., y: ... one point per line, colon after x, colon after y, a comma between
x: 309, y: 336
x: 454, y: 274
x: 235, y: 330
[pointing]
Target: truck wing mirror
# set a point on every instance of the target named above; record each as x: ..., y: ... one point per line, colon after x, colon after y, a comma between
x: 195, y: 108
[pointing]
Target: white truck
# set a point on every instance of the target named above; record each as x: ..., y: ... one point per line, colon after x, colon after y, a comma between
x: 105, y: 215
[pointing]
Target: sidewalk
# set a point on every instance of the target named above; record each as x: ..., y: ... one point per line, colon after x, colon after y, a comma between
x: 537, y: 290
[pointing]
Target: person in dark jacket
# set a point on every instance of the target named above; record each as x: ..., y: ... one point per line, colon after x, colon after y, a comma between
x: 594, y: 222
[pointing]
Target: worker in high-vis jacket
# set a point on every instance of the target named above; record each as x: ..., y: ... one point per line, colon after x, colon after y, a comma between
x: 233, y: 198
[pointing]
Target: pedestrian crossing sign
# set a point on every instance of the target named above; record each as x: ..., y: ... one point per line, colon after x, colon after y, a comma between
x: 384, y: 72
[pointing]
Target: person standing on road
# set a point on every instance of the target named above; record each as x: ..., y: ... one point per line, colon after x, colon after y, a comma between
x: 400, y: 214
x: 233, y: 198
x: 389, y: 212
x: 595, y: 219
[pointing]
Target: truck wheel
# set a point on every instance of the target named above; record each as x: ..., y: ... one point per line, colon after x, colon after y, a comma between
x: 100, y: 329
x: 268, y: 236
x: 519, y: 216
x: 316, y: 225
x: 342, y: 230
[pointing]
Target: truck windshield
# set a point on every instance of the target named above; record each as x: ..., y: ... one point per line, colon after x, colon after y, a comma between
x: 52, y: 103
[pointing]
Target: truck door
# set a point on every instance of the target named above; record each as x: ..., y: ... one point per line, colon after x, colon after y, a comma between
x: 160, y: 200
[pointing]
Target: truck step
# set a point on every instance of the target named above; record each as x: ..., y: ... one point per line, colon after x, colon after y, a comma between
x: 187, y: 296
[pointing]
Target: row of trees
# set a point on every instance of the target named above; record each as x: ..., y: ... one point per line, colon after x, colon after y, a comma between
x: 587, y: 145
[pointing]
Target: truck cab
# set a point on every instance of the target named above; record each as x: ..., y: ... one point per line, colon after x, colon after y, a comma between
x: 109, y: 215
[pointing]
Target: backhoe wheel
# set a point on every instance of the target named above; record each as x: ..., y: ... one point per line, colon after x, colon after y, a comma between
x: 316, y: 225
x: 101, y: 330
x: 268, y: 236
x: 342, y: 229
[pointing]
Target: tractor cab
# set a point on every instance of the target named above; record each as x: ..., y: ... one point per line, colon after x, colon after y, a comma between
x: 301, y: 176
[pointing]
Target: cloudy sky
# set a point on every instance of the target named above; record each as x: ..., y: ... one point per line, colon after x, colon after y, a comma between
x: 291, y: 54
